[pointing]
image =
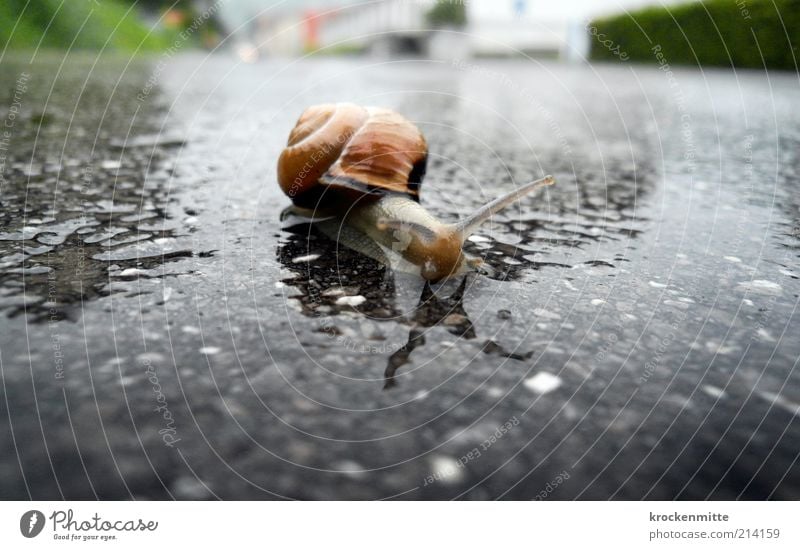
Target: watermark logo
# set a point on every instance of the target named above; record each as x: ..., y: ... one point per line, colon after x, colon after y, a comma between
x: 31, y: 523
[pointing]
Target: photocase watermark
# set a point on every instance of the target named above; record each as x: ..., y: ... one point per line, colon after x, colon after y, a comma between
x: 552, y: 485
x: 175, y: 47
x: 351, y: 344
x: 450, y: 469
x: 687, y: 134
x: 325, y: 151
x: 740, y: 234
x: 52, y: 322
x: 87, y: 178
x: 65, y: 526
x: 31, y: 523
x: 691, y: 290
x: 663, y: 344
x: 524, y: 92
x: 168, y: 432
x: 7, y: 131
x: 759, y: 329
x: 610, y: 342
x: 349, y: 339
x: 612, y: 46
x: 6, y: 135
x: 743, y: 10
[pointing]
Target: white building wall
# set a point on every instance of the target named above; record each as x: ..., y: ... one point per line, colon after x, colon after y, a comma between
x: 362, y: 24
x: 496, y: 27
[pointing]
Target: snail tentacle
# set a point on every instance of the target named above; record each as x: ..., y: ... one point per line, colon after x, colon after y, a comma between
x: 468, y: 225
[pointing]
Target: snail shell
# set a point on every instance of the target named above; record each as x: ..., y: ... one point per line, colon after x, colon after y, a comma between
x: 352, y: 151
x: 365, y: 165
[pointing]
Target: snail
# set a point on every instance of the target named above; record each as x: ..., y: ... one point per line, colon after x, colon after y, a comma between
x: 364, y: 166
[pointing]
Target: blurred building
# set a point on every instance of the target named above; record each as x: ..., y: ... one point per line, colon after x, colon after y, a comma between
x: 506, y: 27
x: 500, y: 27
x: 401, y: 27
x: 383, y: 27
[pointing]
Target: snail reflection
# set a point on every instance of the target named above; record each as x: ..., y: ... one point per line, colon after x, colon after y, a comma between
x: 329, y: 275
x: 353, y: 175
x: 431, y: 311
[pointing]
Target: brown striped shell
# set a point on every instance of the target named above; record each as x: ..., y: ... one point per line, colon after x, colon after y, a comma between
x: 345, y: 150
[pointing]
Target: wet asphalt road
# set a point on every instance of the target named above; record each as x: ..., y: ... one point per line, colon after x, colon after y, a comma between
x: 165, y: 334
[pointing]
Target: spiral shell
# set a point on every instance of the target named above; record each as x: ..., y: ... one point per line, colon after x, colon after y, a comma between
x: 343, y: 149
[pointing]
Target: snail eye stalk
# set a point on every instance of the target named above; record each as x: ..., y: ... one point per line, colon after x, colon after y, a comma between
x: 468, y: 225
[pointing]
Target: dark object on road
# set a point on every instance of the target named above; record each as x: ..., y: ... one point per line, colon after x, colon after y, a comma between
x: 364, y: 166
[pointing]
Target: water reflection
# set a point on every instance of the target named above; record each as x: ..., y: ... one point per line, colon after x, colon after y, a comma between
x: 332, y: 279
x: 431, y: 311
x: 87, y: 200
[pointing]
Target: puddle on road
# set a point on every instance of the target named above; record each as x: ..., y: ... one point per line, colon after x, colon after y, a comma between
x: 331, y: 279
x: 84, y: 208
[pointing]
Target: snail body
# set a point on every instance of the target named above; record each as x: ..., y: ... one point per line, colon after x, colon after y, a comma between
x: 364, y: 165
x: 404, y: 226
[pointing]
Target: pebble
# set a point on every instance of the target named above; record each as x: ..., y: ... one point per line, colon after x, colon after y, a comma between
x: 446, y: 469
x: 151, y: 358
x: 764, y: 335
x: 350, y: 301
x: 719, y: 349
x: 130, y: 272
x: 494, y: 392
x: 209, y: 350
x: 335, y: 291
x: 302, y: 259
x: 420, y: 395
x: 713, y: 391
x: 760, y: 286
x: 543, y: 382
x: 544, y: 314
x: 190, y: 488
x: 349, y: 468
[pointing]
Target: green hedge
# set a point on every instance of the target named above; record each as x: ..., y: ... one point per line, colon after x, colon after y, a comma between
x: 713, y: 32
x: 56, y: 23
x: 447, y: 13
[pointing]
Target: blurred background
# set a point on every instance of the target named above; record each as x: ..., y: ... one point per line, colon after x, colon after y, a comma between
x: 167, y: 331
x: 741, y: 33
